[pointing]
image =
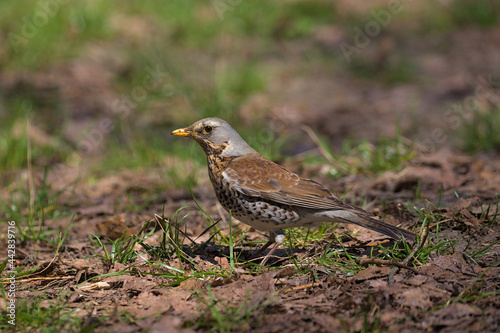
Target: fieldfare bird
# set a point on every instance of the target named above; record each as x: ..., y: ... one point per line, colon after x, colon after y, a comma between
x: 267, y: 196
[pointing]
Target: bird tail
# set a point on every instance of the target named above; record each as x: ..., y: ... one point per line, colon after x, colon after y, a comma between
x: 370, y: 223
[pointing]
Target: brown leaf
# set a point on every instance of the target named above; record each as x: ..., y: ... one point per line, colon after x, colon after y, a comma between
x: 81, y: 263
x: 452, y: 262
x: 462, y: 204
x: 256, y: 290
x: 414, y: 298
x: 371, y: 272
x: 472, y: 220
x: 114, y: 227
x: 456, y: 315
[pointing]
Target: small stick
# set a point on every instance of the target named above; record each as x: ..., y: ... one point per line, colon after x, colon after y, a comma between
x: 366, y: 262
x: 50, y: 278
x: 305, y: 286
x: 405, y: 262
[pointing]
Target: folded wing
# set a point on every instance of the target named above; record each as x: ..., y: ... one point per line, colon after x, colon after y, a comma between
x: 257, y: 176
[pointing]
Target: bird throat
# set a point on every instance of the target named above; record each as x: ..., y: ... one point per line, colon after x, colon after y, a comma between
x: 217, y: 163
x: 211, y: 149
x: 215, y: 159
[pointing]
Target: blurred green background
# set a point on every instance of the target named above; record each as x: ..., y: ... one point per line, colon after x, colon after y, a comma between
x: 103, y: 83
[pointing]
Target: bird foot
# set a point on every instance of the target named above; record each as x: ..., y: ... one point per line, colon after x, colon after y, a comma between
x: 279, y: 239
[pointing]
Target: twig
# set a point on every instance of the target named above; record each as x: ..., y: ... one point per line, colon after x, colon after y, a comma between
x: 305, y: 286
x: 425, y: 232
x: 49, y: 265
x: 42, y: 279
x: 366, y: 262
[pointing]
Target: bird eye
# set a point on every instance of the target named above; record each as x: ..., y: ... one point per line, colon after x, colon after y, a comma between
x: 208, y: 129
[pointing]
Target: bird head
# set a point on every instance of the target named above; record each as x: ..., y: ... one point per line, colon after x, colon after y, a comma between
x: 215, y: 135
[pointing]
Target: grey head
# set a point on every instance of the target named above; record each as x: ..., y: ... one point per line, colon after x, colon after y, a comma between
x: 216, y: 135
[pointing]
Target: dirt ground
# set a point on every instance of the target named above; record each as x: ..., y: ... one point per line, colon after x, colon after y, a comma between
x: 456, y: 290
x: 441, y: 295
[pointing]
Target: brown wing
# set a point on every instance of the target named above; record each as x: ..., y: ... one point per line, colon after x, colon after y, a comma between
x: 257, y: 176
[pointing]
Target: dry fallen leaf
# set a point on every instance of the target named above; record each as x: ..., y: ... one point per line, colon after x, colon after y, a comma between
x: 114, y: 227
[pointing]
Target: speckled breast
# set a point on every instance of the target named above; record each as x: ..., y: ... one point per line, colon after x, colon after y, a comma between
x: 254, y: 211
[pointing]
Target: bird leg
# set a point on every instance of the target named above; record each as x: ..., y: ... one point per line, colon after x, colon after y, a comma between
x: 277, y: 237
x: 262, y: 249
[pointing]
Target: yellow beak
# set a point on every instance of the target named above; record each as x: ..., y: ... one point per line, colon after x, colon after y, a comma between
x: 181, y: 132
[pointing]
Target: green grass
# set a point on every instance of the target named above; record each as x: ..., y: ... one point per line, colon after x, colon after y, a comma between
x: 222, y: 316
x: 43, y: 314
x: 122, y: 249
x: 483, y: 13
x: 393, y: 71
x: 478, y: 128
x: 362, y: 156
x: 154, y: 260
x: 240, y: 81
x: 14, y: 142
x: 337, y: 259
x: 281, y: 20
x: 32, y: 208
x: 39, y: 38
